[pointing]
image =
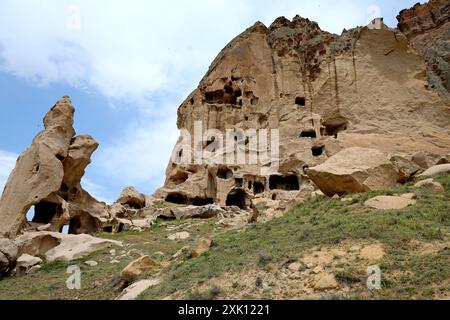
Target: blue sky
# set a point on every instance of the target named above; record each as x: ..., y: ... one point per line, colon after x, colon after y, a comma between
x: 127, y: 68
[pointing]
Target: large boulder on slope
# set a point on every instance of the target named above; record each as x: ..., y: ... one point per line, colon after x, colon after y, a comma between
x: 354, y: 170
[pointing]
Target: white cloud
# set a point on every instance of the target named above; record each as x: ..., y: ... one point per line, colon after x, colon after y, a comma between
x: 129, y: 50
x: 140, y: 157
x: 7, y: 163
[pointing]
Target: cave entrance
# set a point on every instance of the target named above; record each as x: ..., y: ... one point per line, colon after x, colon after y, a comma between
x: 317, y: 151
x: 213, y: 97
x: 224, y: 173
x: 177, y: 198
x: 287, y: 183
x: 199, y: 202
x: 308, y: 134
x: 83, y: 223
x: 180, y: 177
x: 335, y: 126
x: 44, y: 212
x: 258, y: 188
x: 237, y: 198
x: 300, y: 101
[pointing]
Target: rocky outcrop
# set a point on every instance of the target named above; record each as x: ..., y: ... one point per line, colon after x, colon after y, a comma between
x: 389, y: 203
x: 132, y: 198
x: 354, y: 170
x: 323, y: 93
x: 57, y: 246
x: 137, y: 268
x: 427, y: 26
x: 435, y: 170
x: 47, y: 176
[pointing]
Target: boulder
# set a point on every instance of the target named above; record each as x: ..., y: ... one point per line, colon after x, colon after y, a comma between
x: 410, y: 196
x: 354, y: 170
x: 406, y: 168
x: 9, y: 249
x: 58, y: 246
x: 202, y: 246
x: 25, y: 262
x: 131, y: 197
x: 134, y: 290
x: 431, y: 185
x: 436, y: 170
x: 421, y: 159
x: 389, y: 203
x: 139, y: 267
x: 91, y: 263
x: 4, y: 263
x: 179, y: 236
x: 326, y: 282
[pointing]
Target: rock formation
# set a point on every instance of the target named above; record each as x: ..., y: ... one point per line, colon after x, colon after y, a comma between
x: 47, y: 176
x: 370, y: 87
x: 354, y: 170
x: 427, y: 27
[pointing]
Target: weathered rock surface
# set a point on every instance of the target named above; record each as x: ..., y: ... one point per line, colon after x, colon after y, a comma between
x: 134, y: 290
x: 431, y: 185
x: 131, y: 197
x: 179, y: 236
x: 354, y: 170
x: 25, y: 262
x: 427, y: 26
x: 436, y: 170
x: 324, y: 93
x: 139, y: 267
x: 4, y: 263
x: 202, y: 246
x: 47, y: 176
x: 58, y: 246
x: 389, y: 203
x: 8, y: 255
x: 326, y: 282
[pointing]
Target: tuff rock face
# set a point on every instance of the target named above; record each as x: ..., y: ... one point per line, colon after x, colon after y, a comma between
x: 47, y: 176
x: 369, y: 87
x: 427, y: 27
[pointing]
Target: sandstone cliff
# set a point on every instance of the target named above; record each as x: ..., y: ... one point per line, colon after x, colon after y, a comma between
x: 376, y: 88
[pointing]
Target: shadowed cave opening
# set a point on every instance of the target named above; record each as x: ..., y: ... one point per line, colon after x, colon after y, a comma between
x: 44, y: 212
x: 224, y: 173
x: 180, y: 177
x: 83, y: 223
x: 287, y: 183
x: 300, y: 101
x: 308, y: 134
x: 177, y: 198
x: 335, y: 126
x: 228, y: 95
x: 202, y: 201
x: 317, y: 151
x: 237, y: 198
x: 258, y: 188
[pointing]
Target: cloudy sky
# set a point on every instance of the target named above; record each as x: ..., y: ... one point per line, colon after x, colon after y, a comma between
x: 127, y: 66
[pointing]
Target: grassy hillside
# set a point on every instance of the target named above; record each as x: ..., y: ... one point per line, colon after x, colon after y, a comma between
x: 322, y: 236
